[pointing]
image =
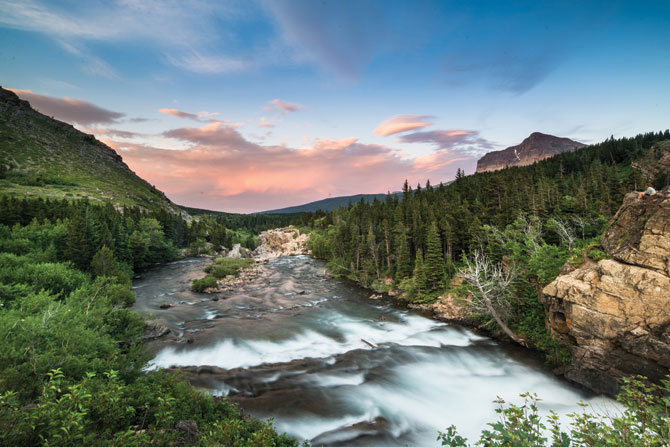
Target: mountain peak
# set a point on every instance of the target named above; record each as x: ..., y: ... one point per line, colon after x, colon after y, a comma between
x: 537, y: 146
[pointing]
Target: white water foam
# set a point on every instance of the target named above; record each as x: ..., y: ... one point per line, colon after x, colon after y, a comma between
x: 229, y: 353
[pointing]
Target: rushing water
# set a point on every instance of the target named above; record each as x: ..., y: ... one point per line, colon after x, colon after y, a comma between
x: 333, y: 367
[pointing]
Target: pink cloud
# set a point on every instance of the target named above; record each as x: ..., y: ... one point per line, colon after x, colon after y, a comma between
x: 215, y: 134
x: 401, y: 123
x: 180, y: 114
x: 201, y: 117
x: 286, y: 107
x: 70, y: 110
x: 224, y: 171
x: 264, y: 122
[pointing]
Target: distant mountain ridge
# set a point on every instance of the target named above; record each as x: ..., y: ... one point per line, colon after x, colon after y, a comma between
x: 536, y: 147
x: 328, y: 204
x: 41, y: 156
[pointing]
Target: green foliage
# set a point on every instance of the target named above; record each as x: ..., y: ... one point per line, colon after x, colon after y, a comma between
x: 319, y: 244
x: 591, y: 249
x: 72, y: 357
x: 433, y: 262
x: 545, y: 263
x: 531, y: 326
x: 208, y: 282
x: 104, y: 263
x: 59, y: 279
x: 197, y: 247
x: 220, y: 269
x: 645, y: 422
x: 228, y: 266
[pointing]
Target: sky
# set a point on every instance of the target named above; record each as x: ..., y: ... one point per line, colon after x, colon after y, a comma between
x: 251, y: 105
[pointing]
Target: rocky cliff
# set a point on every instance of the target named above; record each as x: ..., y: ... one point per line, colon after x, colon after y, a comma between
x: 536, y: 147
x: 281, y: 242
x: 615, y: 314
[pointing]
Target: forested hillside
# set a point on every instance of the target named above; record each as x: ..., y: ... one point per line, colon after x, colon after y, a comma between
x: 72, y: 358
x: 328, y: 204
x: 255, y: 223
x: 75, y: 225
x: 531, y: 219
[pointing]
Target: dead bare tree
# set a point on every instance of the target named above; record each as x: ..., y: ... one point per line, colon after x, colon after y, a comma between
x: 490, y: 290
x: 564, y: 230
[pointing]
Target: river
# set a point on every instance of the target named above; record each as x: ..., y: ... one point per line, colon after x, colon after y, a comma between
x: 333, y: 367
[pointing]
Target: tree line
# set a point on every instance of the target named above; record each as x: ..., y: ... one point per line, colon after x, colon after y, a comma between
x: 72, y: 356
x: 533, y: 217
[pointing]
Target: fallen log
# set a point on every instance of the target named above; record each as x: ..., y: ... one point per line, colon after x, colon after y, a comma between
x: 368, y: 343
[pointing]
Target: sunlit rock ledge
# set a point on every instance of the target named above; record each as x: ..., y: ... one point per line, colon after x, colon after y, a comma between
x: 615, y: 314
x: 281, y: 242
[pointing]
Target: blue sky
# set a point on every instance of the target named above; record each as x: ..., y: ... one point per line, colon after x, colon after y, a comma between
x: 250, y: 105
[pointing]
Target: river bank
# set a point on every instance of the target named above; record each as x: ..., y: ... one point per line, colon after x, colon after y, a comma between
x: 331, y: 366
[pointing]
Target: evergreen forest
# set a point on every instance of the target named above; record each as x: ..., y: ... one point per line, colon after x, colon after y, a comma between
x: 532, y: 218
x: 72, y: 358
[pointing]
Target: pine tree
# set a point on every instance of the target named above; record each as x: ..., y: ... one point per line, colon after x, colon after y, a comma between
x: 77, y: 249
x: 433, y: 262
x: 420, y: 279
x: 104, y: 263
x: 402, y: 256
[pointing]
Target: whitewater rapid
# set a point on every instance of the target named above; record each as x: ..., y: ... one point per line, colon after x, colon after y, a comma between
x: 334, y: 368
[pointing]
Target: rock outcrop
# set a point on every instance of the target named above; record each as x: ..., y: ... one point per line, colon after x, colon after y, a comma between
x: 452, y: 307
x: 536, y: 147
x: 281, y: 242
x: 615, y: 314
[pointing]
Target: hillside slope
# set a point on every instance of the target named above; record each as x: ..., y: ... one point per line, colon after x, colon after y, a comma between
x: 44, y: 157
x: 328, y: 204
x: 536, y: 147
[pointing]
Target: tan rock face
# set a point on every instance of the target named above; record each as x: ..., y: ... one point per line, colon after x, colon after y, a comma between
x: 639, y: 232
x: 615, y: 315
x: 281, y: 242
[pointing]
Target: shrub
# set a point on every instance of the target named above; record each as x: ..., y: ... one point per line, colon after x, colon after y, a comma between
x: 208, y: 282
x: 228, y: 266
x: 319, y: 245
x: 645, y: 422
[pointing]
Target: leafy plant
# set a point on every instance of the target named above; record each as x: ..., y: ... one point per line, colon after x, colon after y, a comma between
x: 645, y: 422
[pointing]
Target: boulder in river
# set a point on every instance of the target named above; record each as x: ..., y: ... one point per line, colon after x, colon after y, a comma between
x: 155, y: 329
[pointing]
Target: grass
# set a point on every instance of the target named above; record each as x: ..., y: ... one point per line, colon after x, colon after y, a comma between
x: 208, y: 282
x: 228, y: 266
x: 48, y: 158
x: 219, y: 270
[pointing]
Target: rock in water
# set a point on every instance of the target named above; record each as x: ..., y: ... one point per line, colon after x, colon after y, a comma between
x: 615, y: 315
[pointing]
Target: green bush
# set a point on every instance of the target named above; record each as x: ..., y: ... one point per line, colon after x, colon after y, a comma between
x: 57, y: 278
x: 72, y: 357
x: 319, y: 244
x: 228, y: 266
x: 208, y: 282
x: 645, y: 422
